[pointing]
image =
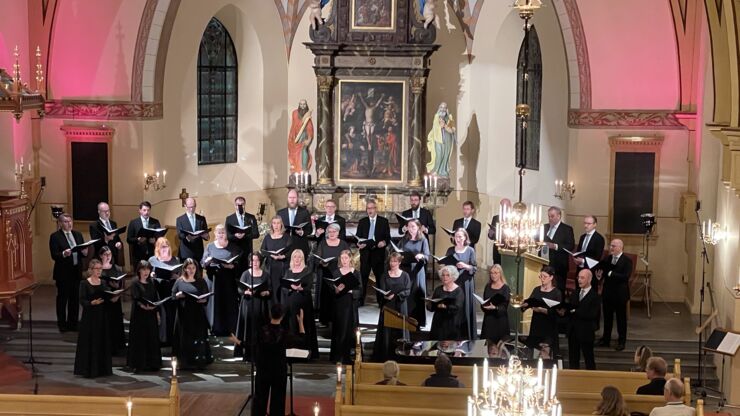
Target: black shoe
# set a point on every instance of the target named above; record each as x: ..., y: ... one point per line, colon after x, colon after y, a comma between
x: 603, y: 343
x: 619, y: 347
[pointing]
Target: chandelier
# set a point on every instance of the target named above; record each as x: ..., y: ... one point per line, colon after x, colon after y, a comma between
x: 17, y: 97
x: 712, y: 233
x: 514, y: 390
x: 520, y: 228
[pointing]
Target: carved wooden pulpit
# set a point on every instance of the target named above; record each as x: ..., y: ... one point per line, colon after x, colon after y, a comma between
x: 16, y: 266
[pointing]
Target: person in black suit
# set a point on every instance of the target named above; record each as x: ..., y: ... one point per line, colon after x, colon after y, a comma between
x: 97, y: 232
x: 615, y: 271
x: 470, y: 224
x: 293, y: 215
x: 141, y: 248
x: 418, y: 212
x: 558, y: 238
x: 591, y: 244
x: 191, y: 247
x: 492, y: 230
x: 244, y: 240
x: 67, y: 271
x: 372, y: 257
x: 583, y: 314
x: 655, y: 371
x: 330, y: 216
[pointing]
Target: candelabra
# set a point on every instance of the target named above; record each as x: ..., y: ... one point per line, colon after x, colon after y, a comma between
x: 713, y: 233
x: 15, y: 95
x: 153, y: 181
x: 435, y: 194
x: 22, y: 172
x: 514, y: 390
x: 520, y: 228
x: 564, y: 190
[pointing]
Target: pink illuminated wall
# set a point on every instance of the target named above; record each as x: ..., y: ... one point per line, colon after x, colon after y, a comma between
x: 632, y: 51
x: 93, y: 48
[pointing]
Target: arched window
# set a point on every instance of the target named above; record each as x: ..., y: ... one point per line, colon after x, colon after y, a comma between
x: 531, y: 153
x: 217, y: 96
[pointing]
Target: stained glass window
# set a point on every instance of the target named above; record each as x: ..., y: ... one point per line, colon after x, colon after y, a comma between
x: 530, y: 153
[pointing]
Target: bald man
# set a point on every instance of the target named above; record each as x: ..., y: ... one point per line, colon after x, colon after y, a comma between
x: 191, y: 246
x: 583, y: 316
x: 98, y: 231
x: 614, y: 271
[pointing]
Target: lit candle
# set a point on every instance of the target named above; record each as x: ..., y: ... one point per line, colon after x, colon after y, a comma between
x: 350, y: 195
x: 435, y: 182
x: 539, y: 372
x: 426, y: 182
x: 157, y: 175
x: 164, y: 177
x: 174, y: 367
x: 498, y: 232
x: 16, y: 168
x: 470, y: 407
x: 305, y: 178
x: 485, y: 374
x: 146, y: 175
x: 554, y: 381
x: 295, y: 178
x: 542, y: 232
x: 29, y: 168
x: 129, y: 406
x: 386, y: 193
x: 339, y: 373
x: 546, y: 392
x: 316, y: 409
x: 475, y: 380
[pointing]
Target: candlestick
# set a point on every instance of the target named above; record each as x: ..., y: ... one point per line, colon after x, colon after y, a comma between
x: 174, y: 367
x: 316, y: 409
x: 129, y: 406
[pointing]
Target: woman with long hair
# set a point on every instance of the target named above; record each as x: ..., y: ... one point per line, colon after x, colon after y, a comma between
x: 343, y: 320
x: 190, y: 344
x: 297, y: 283
x: 642, y: 355
x: 111, y: 275
x: 448, y: 305
x: 397, y: 285
x: 467, y: 266
x: 143, y: 350
x: 496, y: 317
x: 255, y: 290
x: 93, y: 356
x: 277, y: 239
x: 162, y: 263
x: 327, y: 248
x: 219, y: 262
x: 543, y: 330
x: 415, y: 243
x: 612, y: 403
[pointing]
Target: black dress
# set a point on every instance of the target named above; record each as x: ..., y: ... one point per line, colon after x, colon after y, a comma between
x: 276, y: 268
x: 544, y: 328
x: 225, y: 295
x: 93, y: 355
x: 254, y: 312
x: 417, y: 274
x: 325, y: 295
x: 165, y: 279
x: 190, y: 337
x: 114, y: 311
x: 295, y: 300
x: 447, y: 322
x: 496, y: 321
x: 466, y: 281
x: 343, y: 321
x: 143, y: 348
x: 385, y: 338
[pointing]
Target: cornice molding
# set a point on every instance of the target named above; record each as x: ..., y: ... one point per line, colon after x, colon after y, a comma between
x: 633, y: 119
x: 103, y: 110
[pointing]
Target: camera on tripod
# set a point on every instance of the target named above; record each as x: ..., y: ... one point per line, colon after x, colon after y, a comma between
x: 648, y: 221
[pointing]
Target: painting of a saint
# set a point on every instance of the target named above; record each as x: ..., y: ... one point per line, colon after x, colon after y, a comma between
x: 371, y: 130
x: 300, y: 138
x: 373, y: 14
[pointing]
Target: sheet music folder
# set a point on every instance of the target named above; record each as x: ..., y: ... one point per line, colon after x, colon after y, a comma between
x: 723, y: 341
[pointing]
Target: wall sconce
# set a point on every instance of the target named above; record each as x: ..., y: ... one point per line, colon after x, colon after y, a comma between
x: 712, y: 233
x: 153, y: 181
x: 22, y: 172
x: 563, y: 190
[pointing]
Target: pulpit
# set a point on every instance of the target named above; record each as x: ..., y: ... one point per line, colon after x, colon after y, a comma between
x: 522, y: 275
x: 16, y: 267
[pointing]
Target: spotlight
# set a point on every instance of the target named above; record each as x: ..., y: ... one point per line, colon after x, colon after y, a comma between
x: 648, y: 221
x: 56, y: 211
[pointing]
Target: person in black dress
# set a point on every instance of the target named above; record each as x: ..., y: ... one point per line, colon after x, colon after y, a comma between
x: 165, y: 278
x: 143, y: 350
x: 297, y: 283
x: 276, y: 264
x: 344, y: 320
x: 464, y: 253
x: 448, y: 305
x: 113, y: 310
x: 223, y: 278
x: 93, y: 356
x: 327, y: 248
x: 253, y: 308
x: 543, y: 330
x: 398, y: 283
x: 495, y: 317
x: 190, y: 340
x: 417, y: 244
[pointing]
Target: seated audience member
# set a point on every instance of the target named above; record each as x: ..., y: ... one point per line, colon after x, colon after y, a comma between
x: 642, y: 355
x: 612, y: 403
x: 655, y: 371
x: 674, y: 406
x: 390, y: 374
x: 442, y: 376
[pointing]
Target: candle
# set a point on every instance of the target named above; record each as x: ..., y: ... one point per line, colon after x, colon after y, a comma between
x: 475, y: 380
x: 435, y: 182
x: 164, y: 177
x: 485, y: 374
x: 350, y: 196
x: 339, y: 373
x: 174, y: 367
x: 554, y: 384
x: 16, y: 168
x: 295, y: 178
x: 539, y: 372
x: 157, y: 175
x: 21, y: 162
x: 358, y: 334
x: 426, y: 182
x: 498, y: 232
x: 316, y: 409
x: 542, y: 232
x: 305, y: 178
x: 470, y: 407
x: 146, y: 175
x: 129, y: 406
x: 29, y: 168
x: 546, y: 392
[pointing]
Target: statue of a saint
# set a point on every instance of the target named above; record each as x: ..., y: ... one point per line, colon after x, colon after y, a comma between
x: 300, y: 138
x: 440, y: 141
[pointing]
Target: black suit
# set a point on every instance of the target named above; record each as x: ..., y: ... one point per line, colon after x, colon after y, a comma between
x: 301, y: 216
x: 244, y: 243
x: 615, y: 294
x: 559, y: 260
x: 139, y: 251
x: 342, y: 227
x: 473, y: 229
x: 190, y: 249
x: 594, y: 250
x: 425, y: 218
x: 655, y: 387
x: 373, y: 258
x: 67, y: 277
x: 492, y: 236
x: 97, y: 231
x: 583, y: 319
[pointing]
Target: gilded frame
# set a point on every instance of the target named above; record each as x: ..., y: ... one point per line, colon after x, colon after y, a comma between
x: 353, y: 16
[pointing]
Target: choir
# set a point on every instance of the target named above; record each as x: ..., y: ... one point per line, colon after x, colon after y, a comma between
x: 305, y: 264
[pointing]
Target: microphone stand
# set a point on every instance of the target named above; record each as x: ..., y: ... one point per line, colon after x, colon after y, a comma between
x: 252, y: 340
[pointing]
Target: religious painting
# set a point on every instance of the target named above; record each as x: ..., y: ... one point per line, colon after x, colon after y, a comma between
x: 373, y: 15
x: 371, y: 131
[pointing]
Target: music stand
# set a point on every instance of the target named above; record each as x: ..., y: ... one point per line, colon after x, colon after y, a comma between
x: 726, y: 343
